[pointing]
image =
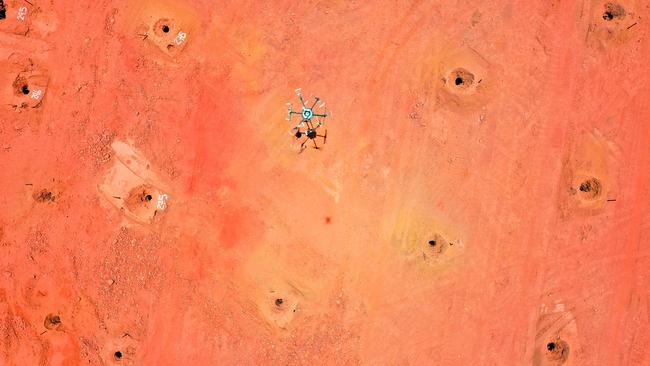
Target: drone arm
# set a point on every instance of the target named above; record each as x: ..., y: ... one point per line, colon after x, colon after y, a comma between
x: 299, y: 125
x: 315, y: 102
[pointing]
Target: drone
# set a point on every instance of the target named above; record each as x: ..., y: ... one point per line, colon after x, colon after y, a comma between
x: 310, y: 131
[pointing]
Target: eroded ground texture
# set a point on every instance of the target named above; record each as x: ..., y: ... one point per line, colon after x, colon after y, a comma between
x: 482, y: 198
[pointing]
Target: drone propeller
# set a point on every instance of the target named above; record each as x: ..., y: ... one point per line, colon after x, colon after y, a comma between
x: 296, y: 127
x: 290, y: 111
x: 316, y: 100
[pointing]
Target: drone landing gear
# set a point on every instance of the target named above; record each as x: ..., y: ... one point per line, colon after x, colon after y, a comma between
x: 311, y: 135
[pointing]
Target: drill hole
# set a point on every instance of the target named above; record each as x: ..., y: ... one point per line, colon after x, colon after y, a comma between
x: 52, y: 321
x: 118, y: 355
x: 25, y: 89
x: 44, y: 196
x: 437, y: 245
x: 590, y: 188
x: 278, y: 302
x: 163, y: 26
x: 460, y: 79
x: 613, y: 11
x: 140, y: 198
x: 3, y: 10
x: 557, y: 351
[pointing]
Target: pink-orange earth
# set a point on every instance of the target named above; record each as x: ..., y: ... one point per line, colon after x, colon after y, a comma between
x: 482, y: 197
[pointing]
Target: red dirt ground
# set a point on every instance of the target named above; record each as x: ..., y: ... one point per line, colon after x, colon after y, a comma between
x: 155, y: 210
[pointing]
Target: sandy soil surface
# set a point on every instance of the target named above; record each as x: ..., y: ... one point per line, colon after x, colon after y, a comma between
x: 482, y: 198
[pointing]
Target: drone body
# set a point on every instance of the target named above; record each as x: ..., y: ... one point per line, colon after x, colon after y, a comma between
x: 307, y: 114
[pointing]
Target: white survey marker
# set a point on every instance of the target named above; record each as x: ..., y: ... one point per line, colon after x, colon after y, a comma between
x: 162, y: 201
